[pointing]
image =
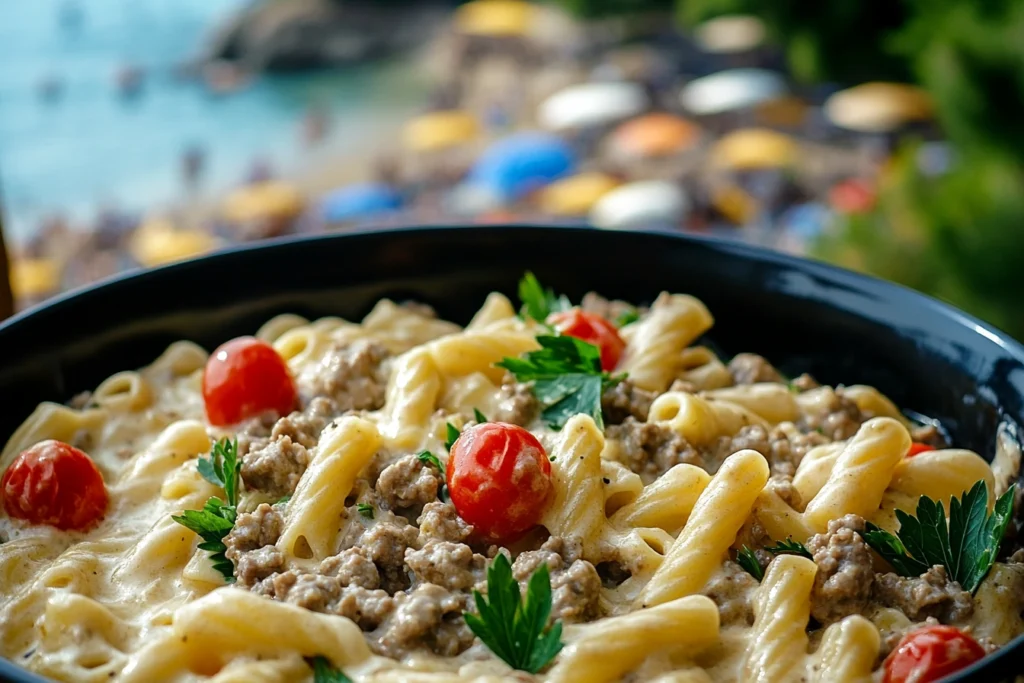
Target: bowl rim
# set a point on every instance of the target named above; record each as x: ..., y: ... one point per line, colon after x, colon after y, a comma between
x: 746, y: 251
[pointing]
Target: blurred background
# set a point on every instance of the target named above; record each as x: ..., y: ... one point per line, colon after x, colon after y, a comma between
x: 883, y: 135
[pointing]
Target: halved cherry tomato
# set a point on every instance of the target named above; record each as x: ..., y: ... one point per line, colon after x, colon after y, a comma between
x: 56, y: 484
x: 592, y: 329
x: 917, y: 448
x: 244, y: 378
x: 499, y: 479
x: 931, y: 653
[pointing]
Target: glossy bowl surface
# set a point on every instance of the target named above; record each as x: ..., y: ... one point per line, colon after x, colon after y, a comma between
x: 803, y: 315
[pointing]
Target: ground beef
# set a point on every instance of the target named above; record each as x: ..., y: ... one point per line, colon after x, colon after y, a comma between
x: 610, y: 310
x: 450, y: 565
x: 275, y: 467
x: 841, y: 420
x: 440, y: 521
x: 750, y: 368
x: 930, y: 595
x: 730, y: 589
x: 929, y: 434
x: 368, y: 608
x: 385, y: 544
x: 844, y: 580
x: 350, y: 375
x: 651, y: 449
x: 625, y: 399
x: 575, y: 583
x: 427, y: 617
x: 250, y: 545
x: 304, y: 427
x: 315, y: 592
x: 408, y: 482
x: 352, y: 567
x: 516, y: 404
x: 774, y: 444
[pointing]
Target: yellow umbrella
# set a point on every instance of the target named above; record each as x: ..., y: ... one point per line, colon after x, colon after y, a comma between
x: 157, y: 241
x: 878, y: 107
x: 441, y: 130
x: 34, y: 277
x: 575, y: 195
x: 753, y: 148
x: 656, y: 134
x: 494, y: 18
x: 265, y: 200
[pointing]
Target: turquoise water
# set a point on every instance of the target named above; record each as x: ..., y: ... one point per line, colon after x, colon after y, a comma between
x: 92, y: 147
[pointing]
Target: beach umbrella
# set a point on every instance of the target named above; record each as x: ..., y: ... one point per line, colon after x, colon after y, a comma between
x: 495, y: 18
x: 646, y: 203
x: 730, y: 34
x: 359, y: 201
x: 516, y: 165
x: 750, y: 149
x: 731, y: 90
x: 878, y: 107
x: 592, y: 104
x: 266, y: 200
x: 575, y: 195
x: 34, y: 278
x: 653, y: 135
x: 157, y: 241
x: 439, y: 130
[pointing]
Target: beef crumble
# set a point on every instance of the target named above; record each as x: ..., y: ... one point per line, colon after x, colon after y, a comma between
x: 275, y: 467
x: 650, y: 449
x: 250, y: 545
x: 750, y: 368
x: 350, y: 374
x: 575, y: 583
x: 932, y: 594
x: 408, y: 483
x: 625, y: 399
x: 845, y: 576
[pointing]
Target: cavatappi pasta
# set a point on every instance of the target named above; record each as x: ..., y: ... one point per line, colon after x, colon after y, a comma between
x: 347, y: 547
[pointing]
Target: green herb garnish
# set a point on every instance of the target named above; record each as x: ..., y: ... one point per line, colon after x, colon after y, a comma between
x: 967, y: 548
x: 479, y: 417
x: 452, y: 433
x: 283, y: 500
x: 567, y: 378
x: 514, y: 629
x: 217, y: 518
x: 630, y: 316
x: 538, y: 302
x: 746, y: 558
x: 323, y: 672
x: 790, y: 547
x: 365, y: 509
x: 429, y: 458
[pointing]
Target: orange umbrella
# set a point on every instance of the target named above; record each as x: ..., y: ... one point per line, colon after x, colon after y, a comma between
x: 653, y: 135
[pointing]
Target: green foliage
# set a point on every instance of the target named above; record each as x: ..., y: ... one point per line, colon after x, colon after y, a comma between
x: 603, y: 8
x: 746, y: 558
x: 790, y: 547
x: 212, y: 524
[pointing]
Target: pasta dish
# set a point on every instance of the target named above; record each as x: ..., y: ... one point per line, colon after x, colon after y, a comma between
x: 552, y: 493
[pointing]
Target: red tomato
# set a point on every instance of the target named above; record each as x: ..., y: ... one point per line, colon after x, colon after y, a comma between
x: 499, y: 479
x: 56, y: 484
x: 244, y: 378
x: 917, y: 448
x: 592, y: 329
x: 931, y: 653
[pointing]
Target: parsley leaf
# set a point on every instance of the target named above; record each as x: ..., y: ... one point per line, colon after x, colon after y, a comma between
x: 746, y: 558
x: 365, y: 509
x: 429, y: 458
x: 222, y: 468
x: 630, y: 316
x: 967, y: 548
x: 212, y: 524
x: 323, y: 672
x: 516, y: 629
x: 479, y: 417
x: 452, y: 433
x: 790, y: 547
x: 567, y: 378
x: 283, y: 500
x: 538, y: 302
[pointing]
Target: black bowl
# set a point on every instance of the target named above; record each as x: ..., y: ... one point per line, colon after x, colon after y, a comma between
x: 804, y: 316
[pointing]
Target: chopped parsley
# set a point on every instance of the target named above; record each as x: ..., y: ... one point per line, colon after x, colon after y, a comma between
x: 790, y: 547
x: 452, y: 434
x: 217, y: 517
x: 428, y: 458
x: 746, y: 558
x: 283, y: 500
x: 567, y: 378
x: 516, y: 629
x: 479, y: 417
x: 540, y: 302
x: 365, y: 509
x: 966, y: 548
x: 323, y: 672
x: 630, y: 316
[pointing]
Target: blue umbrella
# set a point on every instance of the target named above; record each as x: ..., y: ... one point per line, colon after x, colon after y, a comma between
x: 363, y: 200
x: 521, y: 163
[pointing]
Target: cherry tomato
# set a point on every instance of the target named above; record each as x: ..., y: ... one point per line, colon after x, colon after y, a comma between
x: 931, y: 653
x: 244, y: 378
x: 499, y: 479
x: 592, y: 329
x: 56, y: 484
x: 917, y: 448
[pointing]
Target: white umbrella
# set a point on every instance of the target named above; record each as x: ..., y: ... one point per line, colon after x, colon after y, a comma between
x: 648, y: 203
x: 592, y: 104
x: 730, y: 34
x: 731, y: 90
